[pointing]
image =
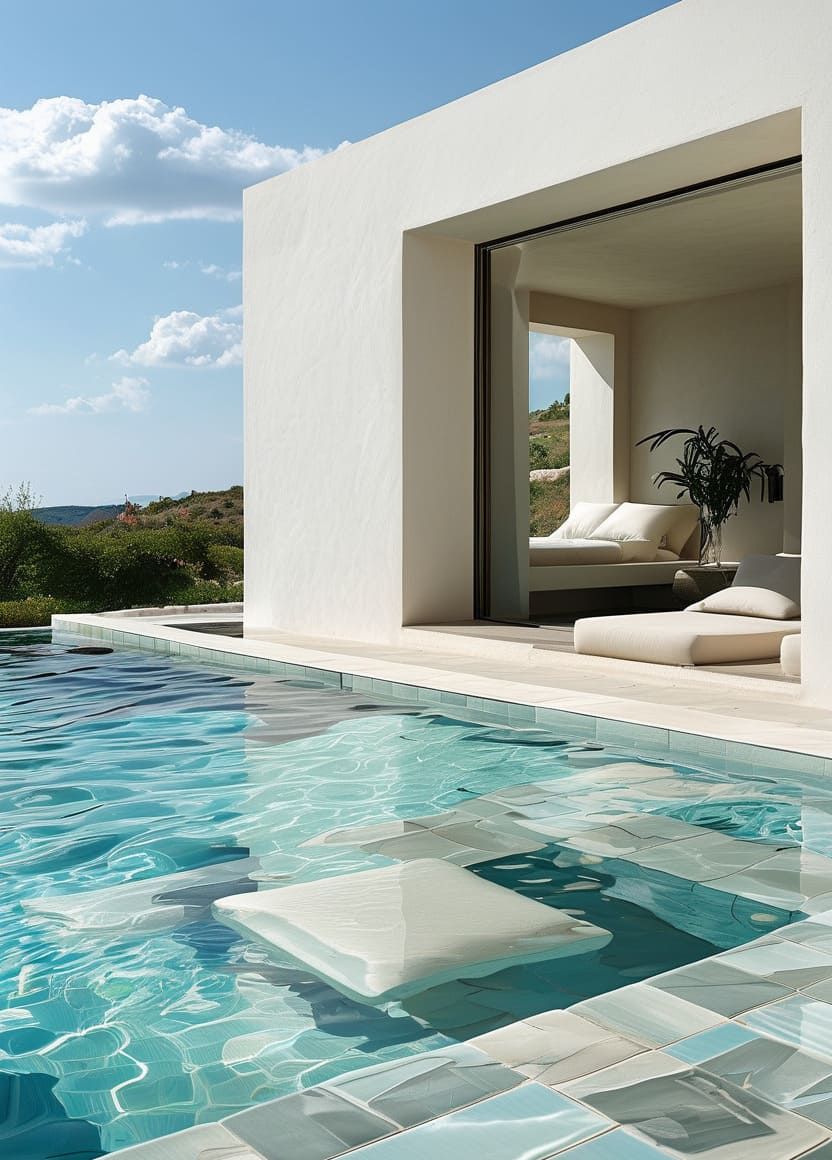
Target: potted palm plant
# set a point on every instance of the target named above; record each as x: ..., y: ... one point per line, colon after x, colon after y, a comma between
x: 714, y: 474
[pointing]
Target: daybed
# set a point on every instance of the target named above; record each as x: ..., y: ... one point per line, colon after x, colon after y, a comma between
x: 610, y: 545
x: 746, y: 622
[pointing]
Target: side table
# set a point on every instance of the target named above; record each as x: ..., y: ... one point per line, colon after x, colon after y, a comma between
x: 696, y: 581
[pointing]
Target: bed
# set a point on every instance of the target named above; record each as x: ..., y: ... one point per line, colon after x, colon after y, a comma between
x: 612, y: 545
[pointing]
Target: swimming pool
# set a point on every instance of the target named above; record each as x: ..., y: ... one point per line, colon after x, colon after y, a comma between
x: 136, y: 790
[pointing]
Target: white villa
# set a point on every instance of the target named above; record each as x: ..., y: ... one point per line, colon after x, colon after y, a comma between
x: 662, y: 196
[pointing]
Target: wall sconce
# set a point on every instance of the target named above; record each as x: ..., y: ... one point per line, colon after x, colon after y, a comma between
x: 774, y: 483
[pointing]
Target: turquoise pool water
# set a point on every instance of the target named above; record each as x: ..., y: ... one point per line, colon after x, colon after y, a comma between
x: 127, y: 1012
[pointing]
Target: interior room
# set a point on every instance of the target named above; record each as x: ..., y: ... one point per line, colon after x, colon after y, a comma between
x: 681, y: 313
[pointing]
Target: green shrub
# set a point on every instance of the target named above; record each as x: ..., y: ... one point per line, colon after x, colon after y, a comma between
x: 24, y: 543
x: 223, y: 562
x: 34, y: 611
x: 210, y: 592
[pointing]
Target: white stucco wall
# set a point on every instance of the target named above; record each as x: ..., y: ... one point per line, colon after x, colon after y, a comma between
x: 702, y: 88
x: 726, y: 362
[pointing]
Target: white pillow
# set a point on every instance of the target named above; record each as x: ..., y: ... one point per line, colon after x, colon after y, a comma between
x: 746, y: 601
x: 397, y: 930
x: 583, y: 520
x: 642, y: 521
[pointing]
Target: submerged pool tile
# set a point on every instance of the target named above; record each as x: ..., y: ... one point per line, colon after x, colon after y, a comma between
x: 781, y: 960
x: 419, y: 1088
x: 647, y: 1014
x: 815, y: 932
x: 800, y: 1020
x: 204, y: 1142
x: 530, y: 1123
x: 620, y: 1144
x: 556, y: 1047
x: 717, y: 986
x: 689, y: 1111
x: 708, y: 1044
x: 707, y: 858
x: 780, y: 1073
x: 313, y: 1125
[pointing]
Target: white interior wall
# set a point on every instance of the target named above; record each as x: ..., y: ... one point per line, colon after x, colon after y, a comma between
x: 592, y: 411
x: 599, y: 431
x: 727, y: 362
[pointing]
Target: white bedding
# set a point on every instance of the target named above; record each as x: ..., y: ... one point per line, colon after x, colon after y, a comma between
x: 546, y: 551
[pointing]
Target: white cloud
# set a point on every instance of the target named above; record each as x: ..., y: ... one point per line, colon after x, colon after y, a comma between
x: 130, y: 160
x: 28, y: 247
x: 211, y: 269
x: 214, y: 271
x: 548, y: 355
x: 184, y: 338
x: 125, y: 395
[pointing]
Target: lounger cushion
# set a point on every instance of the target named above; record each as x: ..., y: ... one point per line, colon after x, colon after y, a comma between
x: 748, y: 601
x: 777, y: 573
x: 387, y: 933
x: 548, y: 551
x: 682, y: 638
x: 790, y: 655
x: 583, y: 520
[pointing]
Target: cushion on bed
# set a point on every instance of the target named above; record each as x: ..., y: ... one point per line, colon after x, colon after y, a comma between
x: 667, y: 525
x: 546, y: 551
x: 583, y: 520
x: 748, y: 601
x: 682, y: 638
x: 387, y: 933
x: 776, y: 573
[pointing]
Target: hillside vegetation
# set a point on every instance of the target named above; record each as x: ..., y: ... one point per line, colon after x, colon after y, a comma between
x: 548, y: 447
x: 184, y: 551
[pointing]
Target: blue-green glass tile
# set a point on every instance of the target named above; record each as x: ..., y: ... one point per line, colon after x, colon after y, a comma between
x: 645, y: 737
x: 523, y: 713
x: 529, y: 1123
x: 777, y: 761
x: 616, y: 1145
x: 497, y: 710
x: 799, y: 1020
x: 708, y: 1044
x: 192, y: 1144
x: 313, y: 1125
x: 419, y: 1088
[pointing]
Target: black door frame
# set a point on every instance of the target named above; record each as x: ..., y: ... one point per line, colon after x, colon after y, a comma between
x: 482, y: 341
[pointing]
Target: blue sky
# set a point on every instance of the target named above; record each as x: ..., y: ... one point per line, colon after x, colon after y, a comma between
x: 119, y: 216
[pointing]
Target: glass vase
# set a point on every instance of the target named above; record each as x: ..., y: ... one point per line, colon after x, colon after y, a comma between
x: 710, y: 551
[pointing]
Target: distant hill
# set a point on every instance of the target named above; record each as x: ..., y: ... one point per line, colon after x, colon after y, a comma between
x: 77, y: 516
x: 224, y: 509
